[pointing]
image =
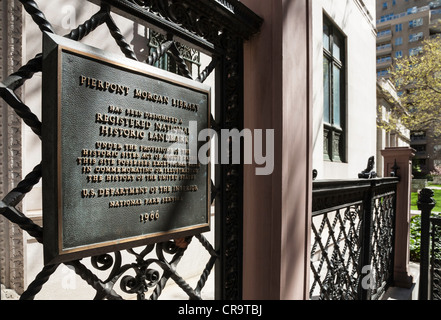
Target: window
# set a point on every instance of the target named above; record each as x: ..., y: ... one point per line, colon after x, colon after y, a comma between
x: 416, y: 36
x: 167, y: 62
x: 412, y: 10
x: 384, y: 5
x: 334, y: 93
x: 399, y: 41
x: 416, y: 23
x: 415, y: 51
x: 399, y: 54
x: 387, y: 17
x: 399, y: 27
x: 382, y: 73
x: 418, y: 135
x: 384, y: 33
x: 384, y: 59
x: 384, y: 47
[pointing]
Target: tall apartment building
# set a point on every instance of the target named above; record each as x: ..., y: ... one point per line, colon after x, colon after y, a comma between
x: 402, y: 25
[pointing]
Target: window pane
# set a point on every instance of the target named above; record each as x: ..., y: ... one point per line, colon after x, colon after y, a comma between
x: 336, y: 101
x: 336, y: 48
x: 326, y: 36
x: 326, y: 91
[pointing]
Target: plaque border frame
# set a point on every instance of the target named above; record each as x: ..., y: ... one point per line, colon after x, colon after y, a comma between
x: 51, y: 169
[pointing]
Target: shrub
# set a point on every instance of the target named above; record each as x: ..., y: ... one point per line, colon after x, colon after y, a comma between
x: 415, y: 236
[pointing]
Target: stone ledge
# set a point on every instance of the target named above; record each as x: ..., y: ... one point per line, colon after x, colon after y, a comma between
x: 395, y: 293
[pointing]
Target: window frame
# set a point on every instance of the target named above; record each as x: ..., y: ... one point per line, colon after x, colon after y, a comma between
x: 334, y: 137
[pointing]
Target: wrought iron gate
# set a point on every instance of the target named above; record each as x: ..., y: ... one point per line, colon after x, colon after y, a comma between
x: 217, y: 28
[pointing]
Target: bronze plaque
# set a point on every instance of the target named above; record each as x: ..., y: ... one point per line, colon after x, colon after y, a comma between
x: 116, y: 156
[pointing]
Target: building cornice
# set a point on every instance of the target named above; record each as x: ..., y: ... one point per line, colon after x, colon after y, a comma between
x: 367, y: 15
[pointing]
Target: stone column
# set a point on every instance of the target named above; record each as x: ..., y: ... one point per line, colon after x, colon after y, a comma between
x: 402, y: 157
x: 277, y: 207
x: 11, y: 236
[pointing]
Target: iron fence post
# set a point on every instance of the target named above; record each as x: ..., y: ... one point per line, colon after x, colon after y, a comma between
x: 366, y: 254
x: 425, y: 205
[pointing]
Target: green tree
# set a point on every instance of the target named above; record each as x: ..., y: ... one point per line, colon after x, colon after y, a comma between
x: 417, y: 79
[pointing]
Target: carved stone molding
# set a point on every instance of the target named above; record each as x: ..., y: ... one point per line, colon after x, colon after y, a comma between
x: 11, y: 236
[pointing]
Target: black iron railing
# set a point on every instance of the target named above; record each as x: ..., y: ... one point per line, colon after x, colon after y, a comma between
x: 353, y: 230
